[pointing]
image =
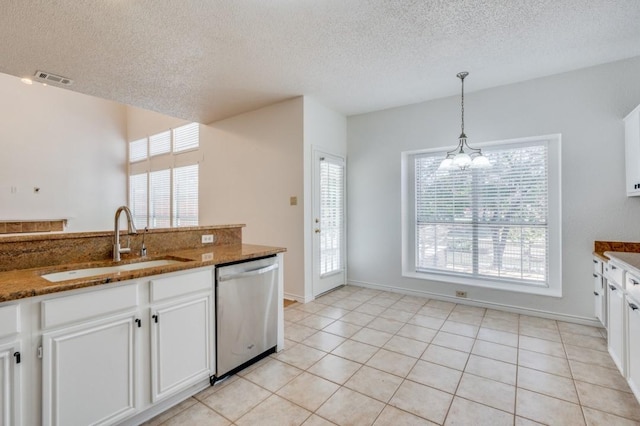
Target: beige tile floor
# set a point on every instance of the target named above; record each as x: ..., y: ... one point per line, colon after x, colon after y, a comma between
x: 363, y: 357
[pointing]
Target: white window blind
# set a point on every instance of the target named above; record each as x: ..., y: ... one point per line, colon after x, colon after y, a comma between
x: 137, y: 150
x: 138, y: 199
x: 186, y: 137
x: 185, y: 196
x: 485, y: 222
x: 160, y: 143
x: 160, y: 199
x: 162, y: 195
x: 331, y: 216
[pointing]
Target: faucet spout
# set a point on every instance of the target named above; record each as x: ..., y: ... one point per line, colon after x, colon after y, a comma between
x: 131, y: 230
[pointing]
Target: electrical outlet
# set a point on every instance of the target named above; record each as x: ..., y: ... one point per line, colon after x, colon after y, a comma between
x: 461, y: 294
x: 207, y: 239
x: 207, y: 257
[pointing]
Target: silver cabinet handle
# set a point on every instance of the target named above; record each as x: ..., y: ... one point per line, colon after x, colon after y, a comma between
x: 633, y: 306
x: 634, y: 282
x: 613, y: 267
x: 248, y: 273
x: 612, y: 287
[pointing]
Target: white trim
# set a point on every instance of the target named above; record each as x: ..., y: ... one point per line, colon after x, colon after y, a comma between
x: 483, y: 304
x: 297, y: 298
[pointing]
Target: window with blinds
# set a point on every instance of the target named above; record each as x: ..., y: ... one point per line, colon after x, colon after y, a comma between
x: 495, y: 224
x: 161, y: 195
x: 331, y: 216
x: 160, y: 143
x: 186, y: 137
x: 185, y: 196
x: 138, y: 199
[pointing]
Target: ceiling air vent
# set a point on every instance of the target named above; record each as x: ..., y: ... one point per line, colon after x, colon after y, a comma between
x: 47, y: 77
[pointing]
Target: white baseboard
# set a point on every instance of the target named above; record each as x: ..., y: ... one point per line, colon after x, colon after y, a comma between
x: 483, y: 304
x: 299, y: 299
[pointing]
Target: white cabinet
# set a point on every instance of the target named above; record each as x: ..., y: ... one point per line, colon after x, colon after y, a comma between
x: 617, y: 332
x: 632, y: 151
x: 181, y: 352
x: 599, y: 291
x: 633, y: 338
x: 112, y: 354
x: 180, y: 345
x: 89, y: 356
x: 10, y: 366
x: 182, y: 331
x: 89, y: 372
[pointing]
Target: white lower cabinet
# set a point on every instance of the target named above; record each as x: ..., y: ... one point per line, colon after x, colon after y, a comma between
x: 89, y: 372
x: 117, y: 354
x: 633, y: 337
x: 10, y: 366
x: 181, y: 344
x: 616, y: 332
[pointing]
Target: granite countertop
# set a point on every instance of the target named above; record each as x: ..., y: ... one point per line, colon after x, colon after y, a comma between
x: 627, y: 260
x: 23, y: 283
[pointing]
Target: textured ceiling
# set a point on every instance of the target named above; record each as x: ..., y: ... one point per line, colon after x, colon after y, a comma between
x: 206, y: 60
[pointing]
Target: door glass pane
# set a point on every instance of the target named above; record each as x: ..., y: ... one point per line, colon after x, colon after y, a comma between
x: 331, y: 216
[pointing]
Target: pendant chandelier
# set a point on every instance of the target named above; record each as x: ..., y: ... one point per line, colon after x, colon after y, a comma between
x: 463, y: 156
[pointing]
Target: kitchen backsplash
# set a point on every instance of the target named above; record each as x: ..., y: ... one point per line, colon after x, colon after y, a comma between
x: 38, y: 250
x: 30, y: 226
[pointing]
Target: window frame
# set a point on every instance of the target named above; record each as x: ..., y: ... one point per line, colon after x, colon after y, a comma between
x: 408, y: 223
x: 167, y: 161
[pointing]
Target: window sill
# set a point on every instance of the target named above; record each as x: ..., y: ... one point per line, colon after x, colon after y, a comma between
x: 487, y: 283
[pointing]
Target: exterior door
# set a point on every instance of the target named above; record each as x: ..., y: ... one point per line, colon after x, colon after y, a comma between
x: 329, y: 231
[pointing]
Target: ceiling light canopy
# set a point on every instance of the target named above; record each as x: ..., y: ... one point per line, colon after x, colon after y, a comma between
x: 463, y: 156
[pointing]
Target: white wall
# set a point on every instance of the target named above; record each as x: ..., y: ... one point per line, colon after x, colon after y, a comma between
x: 142, y: 123
x: 585, y: 106
x: 70, y: 145
x: 253, y: 163
x: 325, y: 130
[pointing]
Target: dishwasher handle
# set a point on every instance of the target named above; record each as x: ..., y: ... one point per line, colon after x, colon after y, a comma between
x: 251, y: 273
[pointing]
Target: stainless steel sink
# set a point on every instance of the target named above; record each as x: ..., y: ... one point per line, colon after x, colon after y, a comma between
x: 74, y: 274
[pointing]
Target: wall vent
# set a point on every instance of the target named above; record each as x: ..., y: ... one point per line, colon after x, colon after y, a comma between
x: 47, y: 77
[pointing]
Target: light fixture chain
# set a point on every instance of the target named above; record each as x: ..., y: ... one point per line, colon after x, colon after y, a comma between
x: 462, y: 105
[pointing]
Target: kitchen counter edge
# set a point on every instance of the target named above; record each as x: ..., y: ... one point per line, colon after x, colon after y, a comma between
x: 24, y: 283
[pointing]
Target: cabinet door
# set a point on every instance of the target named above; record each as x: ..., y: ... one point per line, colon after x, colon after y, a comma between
x: 10, y: 384
x: 633, y: 339
x: 599, y: 299
x: 632, y: 152
x: 181, y: 345
x: 616, y: 334
x: 88, y: 373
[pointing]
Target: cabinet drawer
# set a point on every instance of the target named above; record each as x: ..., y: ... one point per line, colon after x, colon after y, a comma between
x: 93, y: 304
x: 597, y: 265
x: 9, y: 320
x: 598, y: 283
x: 632, y: 282
x: 614, y: 273
x: 178, y: 285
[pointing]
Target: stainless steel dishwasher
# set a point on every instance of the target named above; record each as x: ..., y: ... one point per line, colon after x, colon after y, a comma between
x: 246, y: 313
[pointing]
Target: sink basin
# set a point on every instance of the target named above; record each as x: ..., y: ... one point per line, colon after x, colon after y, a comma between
x: 74, y: 274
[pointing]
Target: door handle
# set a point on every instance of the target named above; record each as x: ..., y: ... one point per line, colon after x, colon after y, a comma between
x: 317, y: 231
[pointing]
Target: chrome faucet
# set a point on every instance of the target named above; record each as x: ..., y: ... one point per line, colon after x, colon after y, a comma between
x: 131, y: 229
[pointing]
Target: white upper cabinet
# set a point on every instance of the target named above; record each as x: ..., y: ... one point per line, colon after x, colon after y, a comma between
x: 632, y: 151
